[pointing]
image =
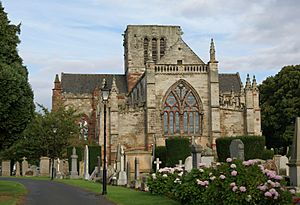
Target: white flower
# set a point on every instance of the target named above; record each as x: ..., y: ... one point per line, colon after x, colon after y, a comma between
x: 201, y: 170
x: 165, y: 175
x: 233, y: 166
x: 180, y: 174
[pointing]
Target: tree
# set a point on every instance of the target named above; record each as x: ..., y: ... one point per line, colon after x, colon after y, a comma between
x: 16, y: 96
x: 280, y: 105
x: 49, y: 134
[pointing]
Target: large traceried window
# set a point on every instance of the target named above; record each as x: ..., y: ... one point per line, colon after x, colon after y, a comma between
x: 182, y: 114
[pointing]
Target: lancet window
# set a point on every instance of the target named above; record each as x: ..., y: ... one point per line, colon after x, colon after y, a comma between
x: 154, y: 49
x: 162, y: 45
x: 182, y: 113
x: 146, y: 45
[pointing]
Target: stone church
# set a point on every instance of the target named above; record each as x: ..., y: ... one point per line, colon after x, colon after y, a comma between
x: 166, y: 91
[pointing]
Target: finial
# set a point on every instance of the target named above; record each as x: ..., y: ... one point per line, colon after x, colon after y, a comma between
x: 56, y: 79
x: 114, y: 87
x: 212, y: 51
x: 254, y: 84
x: 248, y: 83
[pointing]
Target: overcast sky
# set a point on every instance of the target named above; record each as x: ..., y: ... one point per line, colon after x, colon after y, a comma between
x: 85, y: 36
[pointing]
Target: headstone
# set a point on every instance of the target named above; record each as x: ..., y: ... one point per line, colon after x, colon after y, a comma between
x: 18, y: 172
x: 207, y: 160
x: 6, y: 168
x: 157, y: 162
x: 237, y: 149
x: 271, y: 165
x: 24, y: 166
x: 276, y: 159
x: 196, y: 155
x: 65, y: 167
x: 34, y: 170
x: 144, y: 186
x: 180, y: 165
x: 93, y: 175
x: 188, y: 164
x: 74, y: 172
x: 99, y: 166
x: 86, y: 163
x: 128, y: 174
x: 44, y: 166
x: 118, y: 159
x: 294, y: 163
x: 58, y: 168
x: 122, y: 177
x: 283, y: 167
x: 137, y: 181
x: 81, y: 169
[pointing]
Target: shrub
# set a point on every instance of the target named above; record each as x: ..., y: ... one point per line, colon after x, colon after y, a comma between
x: 94, y: 152
x: 178, y: 148
x: 232, y: 183
x: 267, y: 154
x: 253, y: 147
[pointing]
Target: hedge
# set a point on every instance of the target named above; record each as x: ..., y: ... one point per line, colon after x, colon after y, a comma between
x: 161, y: 153
x: 94, y: 151
x: 253, y: 147
x: 178, y: 148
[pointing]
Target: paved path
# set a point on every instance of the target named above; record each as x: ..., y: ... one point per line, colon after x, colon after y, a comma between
x: 44, y: 192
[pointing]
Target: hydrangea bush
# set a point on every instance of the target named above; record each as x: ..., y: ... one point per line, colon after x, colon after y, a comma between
x: 232, y: 182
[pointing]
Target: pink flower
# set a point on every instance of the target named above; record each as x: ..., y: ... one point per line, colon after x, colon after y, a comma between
x: 277, y: 177
x: 212, y: 178
x: 268, y: 194
x: 292, y: 191
x: 234, y: 173
x: 234, y: 188
x: 228, y: 160
x: 243, y: 189
x: 262, y: 188
x: 232, y: 184
x: 233, y: 166
x: 222, y: 176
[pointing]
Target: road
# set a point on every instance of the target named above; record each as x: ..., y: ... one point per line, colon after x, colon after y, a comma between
x: 46, y: 192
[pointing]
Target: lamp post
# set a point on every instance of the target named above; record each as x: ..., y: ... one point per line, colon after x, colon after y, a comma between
x: 54, y: 129
x: 105, y: 95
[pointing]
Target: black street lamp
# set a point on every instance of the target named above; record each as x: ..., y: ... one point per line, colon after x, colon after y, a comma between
x: 105, y: 95
x: 54, y: 129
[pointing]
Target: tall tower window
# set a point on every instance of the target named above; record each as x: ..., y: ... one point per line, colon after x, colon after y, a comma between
x: 162, y: 45
x: 182, y: 113
x: 154, y: 50
x: 146, y: 46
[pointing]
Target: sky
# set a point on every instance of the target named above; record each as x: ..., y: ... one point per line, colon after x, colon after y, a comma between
x: 258, y: 37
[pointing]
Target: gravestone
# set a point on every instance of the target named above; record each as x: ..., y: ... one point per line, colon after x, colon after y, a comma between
x: 44, y: 166
x: 188, y: 164
x: 34, y: 170
x: 58, y: 168
x: 271, y: 165
x: 180, y: 165
x: 81, y: 169
x: 196, y: 155
x: 24, y: 166
x: 283, y: 167
x: 118, y: 159
x: 157, y: 162
x: 6, y: 168
x: 294, y: 163
x: 65, y: 167
x: 137, y: 181
x: 237, y: 149
x: 276, y: 159
x: 18, y: 172
x: 74, y: 157
x: 86, y: 163
x: 122, y: 177
x: 128, y: 174
x: 207, y: 160
x: 99, y: 166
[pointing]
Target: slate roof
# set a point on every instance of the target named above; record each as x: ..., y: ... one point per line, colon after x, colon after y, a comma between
x: 228, y: 82
x: 86, y: 83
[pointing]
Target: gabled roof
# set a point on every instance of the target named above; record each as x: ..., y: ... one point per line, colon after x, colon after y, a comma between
x: 86, y: 83
x: 230, y: 81
x: 180, y: 51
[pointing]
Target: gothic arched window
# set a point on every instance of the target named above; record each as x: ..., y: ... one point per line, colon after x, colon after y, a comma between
x: 146, y: 44
x: 182, y: 113
x: 84, y: 129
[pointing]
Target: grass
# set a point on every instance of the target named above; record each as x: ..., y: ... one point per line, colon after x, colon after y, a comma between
x: 11, y: 192
x: 121, y: 195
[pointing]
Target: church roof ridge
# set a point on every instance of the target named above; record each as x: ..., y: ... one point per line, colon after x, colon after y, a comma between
x: 151, y: 25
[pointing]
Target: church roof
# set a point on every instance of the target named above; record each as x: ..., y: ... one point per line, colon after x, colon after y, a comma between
x: 86, y: 83
x: 230, y: 81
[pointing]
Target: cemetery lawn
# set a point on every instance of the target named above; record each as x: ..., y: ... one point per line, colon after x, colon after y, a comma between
x: 121, y: 195
x: 11, y: 192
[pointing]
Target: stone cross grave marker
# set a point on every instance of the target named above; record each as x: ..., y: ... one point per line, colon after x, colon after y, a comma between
x: 74, y: 157
x: 157, y: 162
x: 24, y: 166
x: 196, y: 155
x: 86, y: 163
x: 122, y: 178
x: 294, y: 163
x: 237, y: 149
x: 180, y: 165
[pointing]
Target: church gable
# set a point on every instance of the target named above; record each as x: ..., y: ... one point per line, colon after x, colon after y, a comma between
x: 179, y: 53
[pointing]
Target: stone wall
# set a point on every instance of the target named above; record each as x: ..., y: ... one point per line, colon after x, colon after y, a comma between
x: 232, y: 122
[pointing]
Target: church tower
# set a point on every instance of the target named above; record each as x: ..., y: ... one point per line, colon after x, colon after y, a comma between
x: 56, y: 92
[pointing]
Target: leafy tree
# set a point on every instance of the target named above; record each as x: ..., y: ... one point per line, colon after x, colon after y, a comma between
x: 16, y: 96
x: 280, y: 105
x: 49, y: 134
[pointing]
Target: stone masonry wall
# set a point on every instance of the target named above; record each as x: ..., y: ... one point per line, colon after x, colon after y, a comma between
x: 232, y: 122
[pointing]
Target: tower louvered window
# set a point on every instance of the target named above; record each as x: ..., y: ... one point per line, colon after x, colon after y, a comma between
x: 146, y: 45
x: 162, y: 45
x: 154, y: 50
x: 182, y: 113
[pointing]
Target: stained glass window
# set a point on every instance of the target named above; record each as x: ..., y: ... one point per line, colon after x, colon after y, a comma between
x: 182, y: 114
